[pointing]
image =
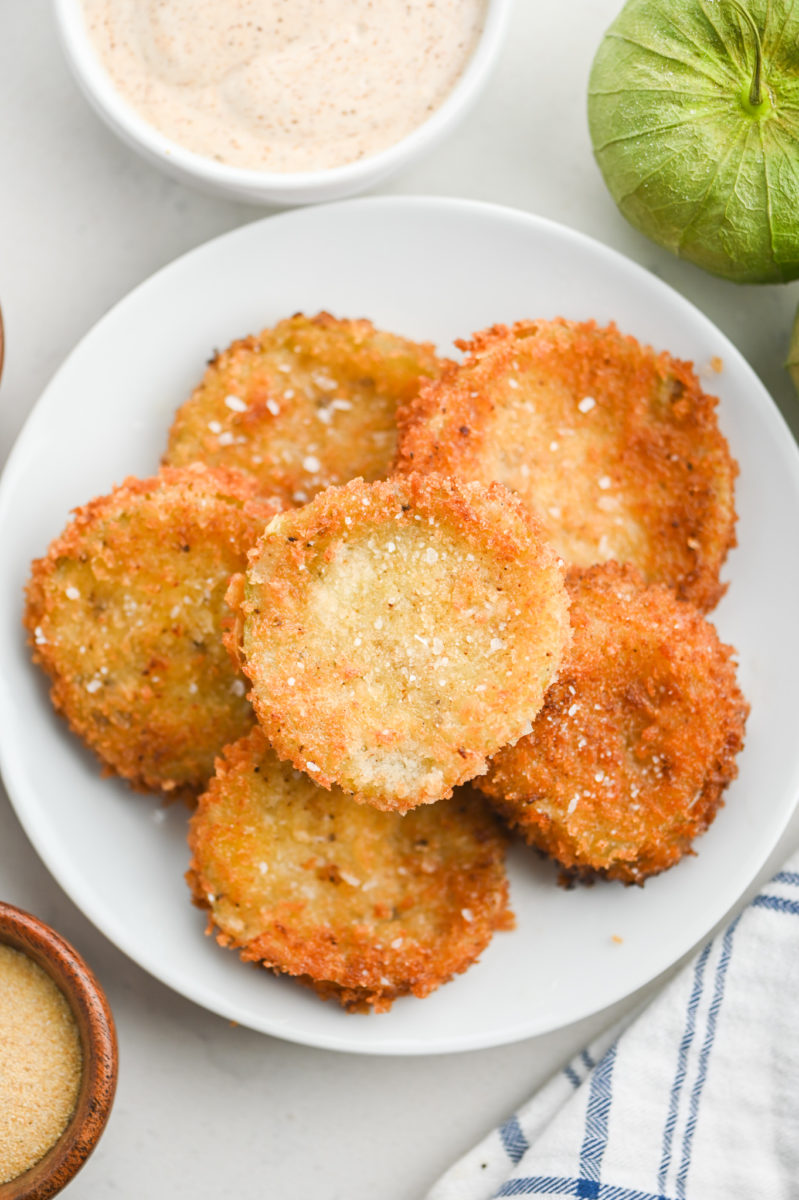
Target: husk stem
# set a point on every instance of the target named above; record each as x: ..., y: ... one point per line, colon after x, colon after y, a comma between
x: 758, y: 100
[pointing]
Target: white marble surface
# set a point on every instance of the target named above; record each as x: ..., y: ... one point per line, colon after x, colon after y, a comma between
x: 203, y: 1108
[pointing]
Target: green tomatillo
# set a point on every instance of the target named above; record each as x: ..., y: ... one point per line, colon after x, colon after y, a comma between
x: 693, y: 107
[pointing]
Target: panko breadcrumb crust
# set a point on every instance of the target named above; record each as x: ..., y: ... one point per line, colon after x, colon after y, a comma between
x: 397, y: 634
x: 125, y: 614
x: 637, y: 739
x: 305, y: 405
x: 360, y: 905
x: 615, y: 446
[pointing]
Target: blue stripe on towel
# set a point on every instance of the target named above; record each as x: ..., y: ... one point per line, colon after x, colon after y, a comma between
x: 791, y: 877
x: 704, y: 1056
x: 596, y: 1123
x: 776, y: 904
x: 542, y: 1184
x: 513, y: 1139
x: 682, y: 1061
x: 553, y: 1185
x: 587, y: 1059
x: 572, y: 1076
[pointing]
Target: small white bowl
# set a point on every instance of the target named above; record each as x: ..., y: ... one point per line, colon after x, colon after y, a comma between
x: 271, y: 187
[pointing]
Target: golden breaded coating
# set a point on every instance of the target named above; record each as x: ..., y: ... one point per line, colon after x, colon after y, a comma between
x: 302, y: 406
x: 614, y: 446
x: 125, y: 614
x: 397, y: 634
x: 637, y: 739
x: 361, y: 905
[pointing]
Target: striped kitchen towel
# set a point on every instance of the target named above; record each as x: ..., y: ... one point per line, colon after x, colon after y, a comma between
x: 696, y: 1099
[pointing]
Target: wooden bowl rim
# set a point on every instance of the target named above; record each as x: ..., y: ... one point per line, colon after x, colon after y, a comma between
x: 90, y: 1007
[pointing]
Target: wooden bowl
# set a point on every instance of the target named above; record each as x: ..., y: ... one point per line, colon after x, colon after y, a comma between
x: 98, y: 1043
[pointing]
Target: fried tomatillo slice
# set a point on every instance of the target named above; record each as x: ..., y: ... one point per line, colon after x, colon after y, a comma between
x: 637, y: 739
x: 363, y: 906
x: 397, y: 634
x: 614, y: 446
x: 302, y: 406
x: 125, y: 614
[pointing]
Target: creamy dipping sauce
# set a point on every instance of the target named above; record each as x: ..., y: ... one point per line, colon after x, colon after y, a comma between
x: 285, y: 85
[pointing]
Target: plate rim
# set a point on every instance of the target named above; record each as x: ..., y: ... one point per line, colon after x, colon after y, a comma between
x: 72, y: 881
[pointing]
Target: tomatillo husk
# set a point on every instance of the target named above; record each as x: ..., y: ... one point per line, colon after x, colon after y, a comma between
x: 693, y: 108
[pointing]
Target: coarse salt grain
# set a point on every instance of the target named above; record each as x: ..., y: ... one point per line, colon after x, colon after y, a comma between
x: 586, y: 404
x: 235, y: 404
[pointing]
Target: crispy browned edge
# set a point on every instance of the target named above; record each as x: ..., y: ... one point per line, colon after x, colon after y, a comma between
x: 322, y: 517
x: 70, y: 544
x: 506, y: 784
x: 313, y: 960
x: 253, y: 345
x: 458, y: 394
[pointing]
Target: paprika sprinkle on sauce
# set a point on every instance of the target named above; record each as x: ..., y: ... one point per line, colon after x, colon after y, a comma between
x: 285, y: 85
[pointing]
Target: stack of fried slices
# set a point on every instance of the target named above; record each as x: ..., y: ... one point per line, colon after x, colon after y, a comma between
x: 366, y: 582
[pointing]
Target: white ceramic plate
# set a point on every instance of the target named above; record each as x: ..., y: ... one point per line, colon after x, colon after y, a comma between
x: 433, y: 269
